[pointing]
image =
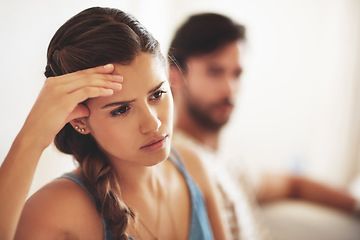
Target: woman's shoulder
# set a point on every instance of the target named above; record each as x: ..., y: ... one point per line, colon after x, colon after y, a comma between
x: 60, y: 208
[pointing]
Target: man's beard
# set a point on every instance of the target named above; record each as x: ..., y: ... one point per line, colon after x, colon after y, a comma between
x: 202, y: 115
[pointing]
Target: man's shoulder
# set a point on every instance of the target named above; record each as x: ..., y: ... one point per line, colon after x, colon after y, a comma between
x: 181, y: 138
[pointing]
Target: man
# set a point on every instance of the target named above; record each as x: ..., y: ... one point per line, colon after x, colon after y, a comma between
x: 205, y: 69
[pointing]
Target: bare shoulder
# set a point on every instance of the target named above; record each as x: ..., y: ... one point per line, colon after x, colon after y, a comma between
x: 194, y: 164
x: 61, y: 209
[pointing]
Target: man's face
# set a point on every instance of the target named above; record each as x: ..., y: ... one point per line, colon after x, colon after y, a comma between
x: 212, y: 83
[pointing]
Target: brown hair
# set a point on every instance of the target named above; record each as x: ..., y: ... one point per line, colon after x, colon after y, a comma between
x: 202, y: 34
x: 94, y: 37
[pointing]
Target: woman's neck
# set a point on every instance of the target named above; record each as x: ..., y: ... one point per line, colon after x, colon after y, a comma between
x: 135, y: 179
x: 144, y: 191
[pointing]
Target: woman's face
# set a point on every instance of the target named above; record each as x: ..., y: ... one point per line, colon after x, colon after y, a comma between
x: 134, y: 125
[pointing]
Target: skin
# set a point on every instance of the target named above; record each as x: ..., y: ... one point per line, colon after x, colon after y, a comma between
x: 56, y: 104
x: 210, y: 83
x: 150, y: 183
x: 203, y: 87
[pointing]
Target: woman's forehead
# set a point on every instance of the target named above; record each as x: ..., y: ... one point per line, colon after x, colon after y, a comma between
x: 143, y: 72
x: 141, y: 76
x: 145, y: 64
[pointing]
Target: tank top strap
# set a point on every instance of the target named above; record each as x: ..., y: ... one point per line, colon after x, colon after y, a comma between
x: 73, y: 177
x: 176, y: 159
x: 199, y: 224
x: 78, y: 180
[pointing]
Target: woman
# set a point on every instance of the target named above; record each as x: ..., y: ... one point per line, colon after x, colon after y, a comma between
x: 107, y: 102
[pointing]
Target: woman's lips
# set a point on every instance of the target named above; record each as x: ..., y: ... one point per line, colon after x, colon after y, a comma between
x: 155, y: 144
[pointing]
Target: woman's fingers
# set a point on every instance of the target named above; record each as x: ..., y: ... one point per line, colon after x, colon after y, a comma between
x: 81, y: 94
x: 59, y: 100
x: 94, y: 77
x: 80, y: 110
x: 95, y: 80
x: 108, y: 68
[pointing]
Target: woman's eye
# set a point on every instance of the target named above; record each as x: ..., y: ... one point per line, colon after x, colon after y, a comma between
x: 120, y: 111
x: 157, y: 95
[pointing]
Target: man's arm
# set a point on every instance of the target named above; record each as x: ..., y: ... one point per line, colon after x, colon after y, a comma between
x: 276, y: 187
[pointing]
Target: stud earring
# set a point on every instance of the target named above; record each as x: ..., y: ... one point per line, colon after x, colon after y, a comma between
x: 79, y: 129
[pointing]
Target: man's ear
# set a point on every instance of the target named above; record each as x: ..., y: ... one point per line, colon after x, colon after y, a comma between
x: 176, y: 77
x: 79, y: 124
x: 177, y: 80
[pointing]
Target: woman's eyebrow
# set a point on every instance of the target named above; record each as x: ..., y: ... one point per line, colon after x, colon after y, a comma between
x: 130, y: 101
x: 156, y: 88
x: 118, y: 103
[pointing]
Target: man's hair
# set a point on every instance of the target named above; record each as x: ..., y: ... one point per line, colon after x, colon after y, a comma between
x: 202, y: 34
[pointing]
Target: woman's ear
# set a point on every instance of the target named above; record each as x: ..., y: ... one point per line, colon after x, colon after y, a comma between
x: 77, y: 118
x: 79, y: 124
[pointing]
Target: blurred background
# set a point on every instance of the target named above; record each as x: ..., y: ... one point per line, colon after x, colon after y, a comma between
x: 299, y: 106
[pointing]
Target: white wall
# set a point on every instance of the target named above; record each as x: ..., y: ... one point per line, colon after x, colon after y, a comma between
x: 299, y: 98
x: 298, y: 101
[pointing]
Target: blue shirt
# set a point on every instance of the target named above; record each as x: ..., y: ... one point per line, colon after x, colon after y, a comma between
x: 199, y: 223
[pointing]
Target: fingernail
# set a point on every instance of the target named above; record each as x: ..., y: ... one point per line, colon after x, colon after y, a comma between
x: 107, y: 66
x: 109, y: 91
x: 118, y: 85
x: 118, y: 77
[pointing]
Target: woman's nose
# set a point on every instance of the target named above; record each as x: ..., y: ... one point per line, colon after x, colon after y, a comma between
x: 149, y: 121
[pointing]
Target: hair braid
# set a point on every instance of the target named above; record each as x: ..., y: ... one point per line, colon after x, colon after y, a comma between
x: 103, y: 185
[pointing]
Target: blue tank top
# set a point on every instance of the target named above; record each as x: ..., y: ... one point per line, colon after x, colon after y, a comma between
x: 199, y: 223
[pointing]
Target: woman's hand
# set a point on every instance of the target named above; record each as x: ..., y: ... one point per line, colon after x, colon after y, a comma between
x: 60, y: 101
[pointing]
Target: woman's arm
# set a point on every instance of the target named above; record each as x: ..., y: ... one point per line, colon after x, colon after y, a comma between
x: 202, y: 177
x: 57, y: 104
